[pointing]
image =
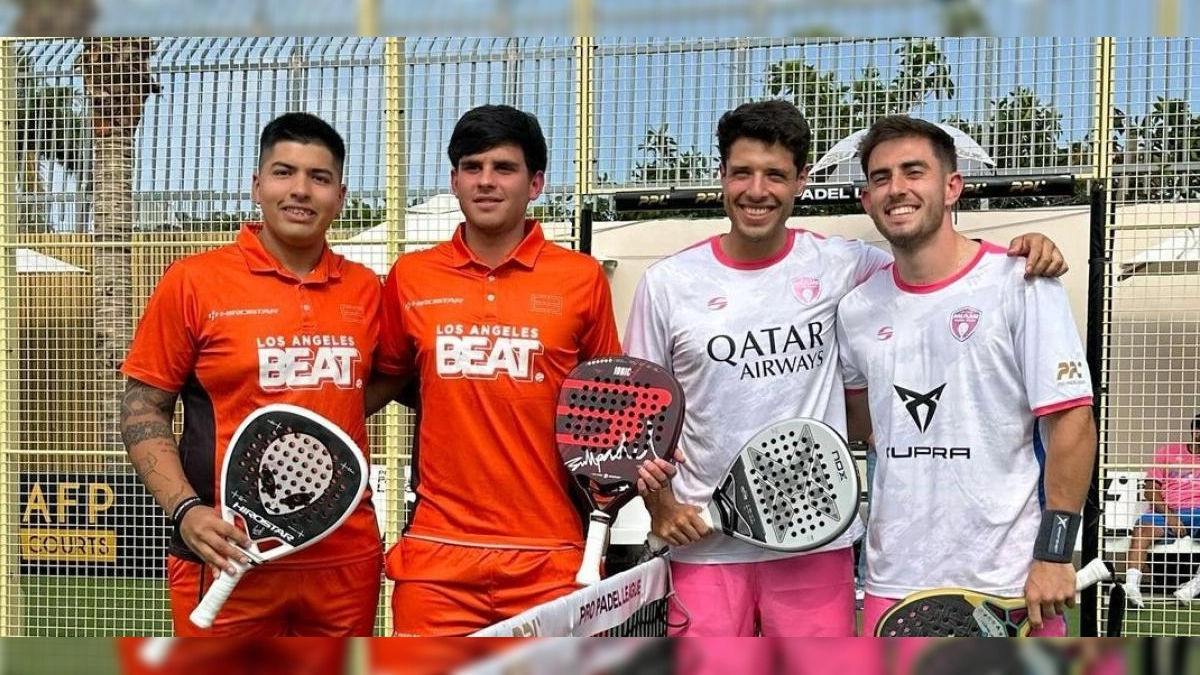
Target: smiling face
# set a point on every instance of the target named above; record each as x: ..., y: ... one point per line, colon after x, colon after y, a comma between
x: 299, y: 188
x: 494, y: 188
x: 909, y: 191
x: 759, y: 184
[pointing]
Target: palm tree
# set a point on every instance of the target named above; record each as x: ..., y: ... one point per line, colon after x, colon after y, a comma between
x: 60, y: 18
x: 117, y: 83
x: 49, y: 130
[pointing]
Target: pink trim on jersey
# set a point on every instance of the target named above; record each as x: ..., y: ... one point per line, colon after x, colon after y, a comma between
x: 753, y: 264
x: 1062, y: 405
x: 855, y: 391
x: 985, y: 247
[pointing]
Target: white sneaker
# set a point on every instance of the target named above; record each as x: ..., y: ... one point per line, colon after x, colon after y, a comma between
x: 1133, y: 595
x: 1188, y: 592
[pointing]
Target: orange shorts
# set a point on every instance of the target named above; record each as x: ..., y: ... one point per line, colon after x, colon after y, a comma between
x: 445, y: 590
x: 338, y: 601
x: 237, y: 656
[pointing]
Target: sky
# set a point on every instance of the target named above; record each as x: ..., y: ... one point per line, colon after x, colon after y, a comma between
x: 218, y: 92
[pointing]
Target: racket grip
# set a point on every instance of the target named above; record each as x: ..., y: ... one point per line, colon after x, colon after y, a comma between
x: 206, y: 612
x: 153, y: 651
x: 1092, y: 574
x: 593, y: 552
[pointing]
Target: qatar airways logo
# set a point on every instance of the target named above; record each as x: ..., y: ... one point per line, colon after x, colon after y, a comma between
x: 771, y: 351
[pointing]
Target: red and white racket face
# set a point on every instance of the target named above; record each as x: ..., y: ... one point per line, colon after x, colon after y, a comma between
x: 613, y: 414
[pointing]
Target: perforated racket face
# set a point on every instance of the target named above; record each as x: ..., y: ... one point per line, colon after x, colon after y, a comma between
x: 291, y: 475
x: 296, y: 469
x: 792, y: 487
x: 961, y: 614
x: 613, y: 414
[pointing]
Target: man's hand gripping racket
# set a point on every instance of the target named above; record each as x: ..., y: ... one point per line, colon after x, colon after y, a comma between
x: 792, y: 487
x: 960, y: 612
x: 290, y: 477
x: 613, y: 413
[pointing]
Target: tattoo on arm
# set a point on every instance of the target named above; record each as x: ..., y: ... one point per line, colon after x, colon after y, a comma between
x: 146, y: 414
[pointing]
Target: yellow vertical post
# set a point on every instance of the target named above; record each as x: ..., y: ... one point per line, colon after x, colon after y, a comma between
x: 584, y: 154
x: 1166, y: 18
x: 1102, y: 128
x: 368, y: 18
x: 9, y: 479
x: 395, y: 155
x: 583, y: 18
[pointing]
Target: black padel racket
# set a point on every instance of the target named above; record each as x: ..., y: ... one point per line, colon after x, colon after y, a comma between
x: 960, y: 612
x: 290, y: 477
x: 792, y: 487
x: 613, y: 414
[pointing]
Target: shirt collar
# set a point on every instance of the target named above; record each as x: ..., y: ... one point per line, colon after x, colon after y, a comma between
x: 525, y: 254
x: 260, y: 261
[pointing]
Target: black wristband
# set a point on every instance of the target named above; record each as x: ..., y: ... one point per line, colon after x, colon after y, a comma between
x: 1056, y: 536
x: 182, y: 508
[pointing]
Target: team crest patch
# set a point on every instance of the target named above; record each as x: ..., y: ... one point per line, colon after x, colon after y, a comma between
x: 963, y: 322
x: 806, y: 289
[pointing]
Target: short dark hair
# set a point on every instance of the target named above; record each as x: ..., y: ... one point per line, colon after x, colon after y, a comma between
x: 489, y: 126
x: 771, y: 122
x: 300, y: 127
x: 1196, y: 423
x: 894, y: 127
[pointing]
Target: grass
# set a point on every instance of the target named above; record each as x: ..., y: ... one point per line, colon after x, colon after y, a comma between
x: 67, y: 606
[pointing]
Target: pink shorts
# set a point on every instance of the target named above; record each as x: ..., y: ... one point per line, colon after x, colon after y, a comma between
x: 804, y: 596
x: 874, y: 607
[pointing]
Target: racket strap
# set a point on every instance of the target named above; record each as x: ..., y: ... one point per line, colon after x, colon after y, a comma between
x: 1056, y: 536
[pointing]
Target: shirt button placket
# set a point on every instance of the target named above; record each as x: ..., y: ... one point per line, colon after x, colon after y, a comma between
x: 308, y: 318
x: 489, y: 294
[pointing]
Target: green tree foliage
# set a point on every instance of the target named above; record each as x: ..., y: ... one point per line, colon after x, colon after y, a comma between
x: 1155, y: 155
x: 836, y: 109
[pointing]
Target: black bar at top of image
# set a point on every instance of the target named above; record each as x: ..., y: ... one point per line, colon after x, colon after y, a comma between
x: 702, y: 199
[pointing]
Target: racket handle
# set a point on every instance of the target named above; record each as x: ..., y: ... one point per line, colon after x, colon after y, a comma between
x: 206, y: 612
x: 1092, y: 574
x: 593, y: 552
x: 657, y: 544
x: 153, y: 651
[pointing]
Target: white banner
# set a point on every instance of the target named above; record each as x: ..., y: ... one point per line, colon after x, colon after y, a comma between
x: 592, y: 609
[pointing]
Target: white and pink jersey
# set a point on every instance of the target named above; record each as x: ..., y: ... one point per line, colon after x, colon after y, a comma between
x: 957, y: 374
x: 1177, y: 471
x: 751, y: 344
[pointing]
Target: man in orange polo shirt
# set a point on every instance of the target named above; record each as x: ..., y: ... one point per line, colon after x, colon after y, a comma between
x: 275, y: 317
x: 490, y: 323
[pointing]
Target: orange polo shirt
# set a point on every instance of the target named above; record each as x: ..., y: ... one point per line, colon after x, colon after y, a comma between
x: 491, y: 348
x: 231, y: 331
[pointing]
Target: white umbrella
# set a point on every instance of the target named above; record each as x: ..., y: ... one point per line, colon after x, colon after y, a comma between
x: 1179, y: 254
x: 841, y: 164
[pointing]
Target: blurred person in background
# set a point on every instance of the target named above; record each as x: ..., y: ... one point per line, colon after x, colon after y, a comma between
x: 1173, y: 495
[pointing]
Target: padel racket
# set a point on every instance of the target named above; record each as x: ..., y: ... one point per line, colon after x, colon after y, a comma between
x: 290, y: 477
x: 613, y: 414
x: 792, y: 487
x: 959, y: 612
